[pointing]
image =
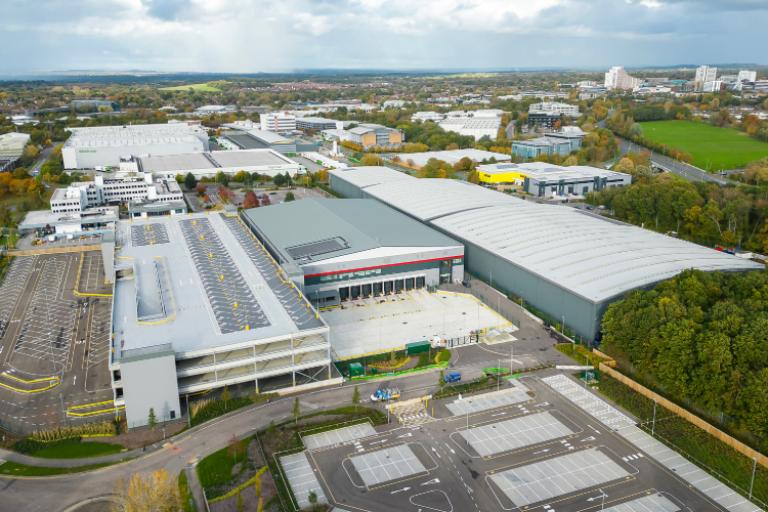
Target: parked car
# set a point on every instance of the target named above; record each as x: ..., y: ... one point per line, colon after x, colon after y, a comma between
x: 385, y: 395
x: 452, y: 377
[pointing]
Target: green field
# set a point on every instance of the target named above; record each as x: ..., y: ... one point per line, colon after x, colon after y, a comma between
x: 206, y: 87
x: 712, y: 148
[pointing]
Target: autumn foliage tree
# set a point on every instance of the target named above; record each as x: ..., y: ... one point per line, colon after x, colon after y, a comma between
x: 250, y: 200
x: 156, y: 492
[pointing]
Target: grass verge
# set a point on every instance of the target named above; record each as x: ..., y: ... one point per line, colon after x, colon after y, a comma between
x: 696, y: 445
x: 218, y: 470
x: 14, y: 469
x: 72, y: 448
x: 187, y: 500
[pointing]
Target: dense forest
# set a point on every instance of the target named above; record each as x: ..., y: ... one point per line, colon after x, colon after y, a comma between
x: 702, y: 339
x: 705, y: 213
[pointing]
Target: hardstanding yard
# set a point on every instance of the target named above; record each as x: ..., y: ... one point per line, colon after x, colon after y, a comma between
x: 542, y: 444
x: 55, y: 322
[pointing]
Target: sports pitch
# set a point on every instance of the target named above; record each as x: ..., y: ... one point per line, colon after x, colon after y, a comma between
x: 205, y: 87
x: 712, y: 148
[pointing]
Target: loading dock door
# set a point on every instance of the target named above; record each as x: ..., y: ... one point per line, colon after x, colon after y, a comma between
x: 409, y: 283
x: 366, y: 290
x: 387, y: 287
x: 343, y: 294
x: 420, y: 281
x: 354, y: 292
x: 377, y: 289
x: 399, y: 285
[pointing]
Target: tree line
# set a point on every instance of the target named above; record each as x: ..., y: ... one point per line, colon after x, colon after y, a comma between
x: 702, y: 339
x: 704, y: 213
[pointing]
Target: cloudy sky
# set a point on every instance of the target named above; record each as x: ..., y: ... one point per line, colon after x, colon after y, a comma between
x: 284, y: 35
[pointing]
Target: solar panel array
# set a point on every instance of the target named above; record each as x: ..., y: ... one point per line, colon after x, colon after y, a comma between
x: 515, y: 433
x: 290, y: 298
x: 308, y: 250
x: 148, y: 234
x: 558, y: 476
x: 388, y: 464
x: 234, y: 305
x: 651, y: 503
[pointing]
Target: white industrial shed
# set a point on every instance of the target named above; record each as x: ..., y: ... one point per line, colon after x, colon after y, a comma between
x: 207, y: 164
x: 568, y: 263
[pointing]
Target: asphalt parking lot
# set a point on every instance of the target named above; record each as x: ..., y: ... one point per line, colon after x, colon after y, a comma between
x: 54, y: 341
x: 537, y: 451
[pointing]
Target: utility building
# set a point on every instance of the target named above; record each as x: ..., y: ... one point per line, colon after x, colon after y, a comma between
x: 338, y: 250
x: 568, y: 263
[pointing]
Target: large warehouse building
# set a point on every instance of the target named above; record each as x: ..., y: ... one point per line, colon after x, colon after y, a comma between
x: 208, y: 164
x: 566, y: 262
x: 337, y: 250
x: 199, y: 304
x: 105, y: 146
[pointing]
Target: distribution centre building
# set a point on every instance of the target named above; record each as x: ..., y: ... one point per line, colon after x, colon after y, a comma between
x: 338, y: 250
x: 106, y: 146
x: 199, y: 304
x: 208, y: 164
x: 568, y: 263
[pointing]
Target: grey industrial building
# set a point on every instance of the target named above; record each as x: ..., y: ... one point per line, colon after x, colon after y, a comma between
x: 568, y: 263
x: 338, y: 250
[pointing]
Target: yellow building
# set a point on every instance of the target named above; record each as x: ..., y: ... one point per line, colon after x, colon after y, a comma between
x: 501, y: 176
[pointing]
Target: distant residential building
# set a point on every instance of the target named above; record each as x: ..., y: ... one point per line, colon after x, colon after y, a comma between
x: 564, y: 109
x: 713, y: 86
x: 704, y: 74
x: 427, y: 116
x: 11, y: 148
x: 652, y: 89
x: 278, y: 122
x: 746, y: 75
x: 618, y: 79
x: 561, y: 143
x: 544, y: 95
x: 369, y: 135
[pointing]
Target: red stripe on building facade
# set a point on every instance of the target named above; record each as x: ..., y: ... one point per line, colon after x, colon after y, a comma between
x: 361, y: 269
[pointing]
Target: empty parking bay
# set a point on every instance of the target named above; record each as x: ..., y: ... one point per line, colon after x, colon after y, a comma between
x: 493, y: 400
x: 301, y: 478
x: 338, y: 436
x: 515, y: 433
x: 387, y: 465
x: 652, y: 503
x: 554, y: 477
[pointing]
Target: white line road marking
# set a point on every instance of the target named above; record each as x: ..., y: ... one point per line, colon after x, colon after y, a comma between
x: 450, y: 449
x: 409, y: 434
x: 430, y: 482
x: 590, y: 438
x: 545, y: 450
x: 437, y: 453
x: 74, y: 381
x: 404, y: 489
x: 498, y: 414
x: 593, y: 428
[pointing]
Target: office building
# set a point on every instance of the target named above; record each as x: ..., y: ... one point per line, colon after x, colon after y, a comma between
x: 370, y: 135
x: 104, y: 147
x: 550, y: 107
x: 562, y: 142
x: 279, y: 122
x: 546, y: 180
x: 317, y: 123
x: 567, y: 263
x: 337, y: 250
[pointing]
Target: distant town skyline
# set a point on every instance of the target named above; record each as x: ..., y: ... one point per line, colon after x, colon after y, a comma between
x: 282, y: 36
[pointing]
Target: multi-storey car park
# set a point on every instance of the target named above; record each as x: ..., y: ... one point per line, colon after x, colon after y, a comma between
x: 200, y: 304
x: 566, y: 262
